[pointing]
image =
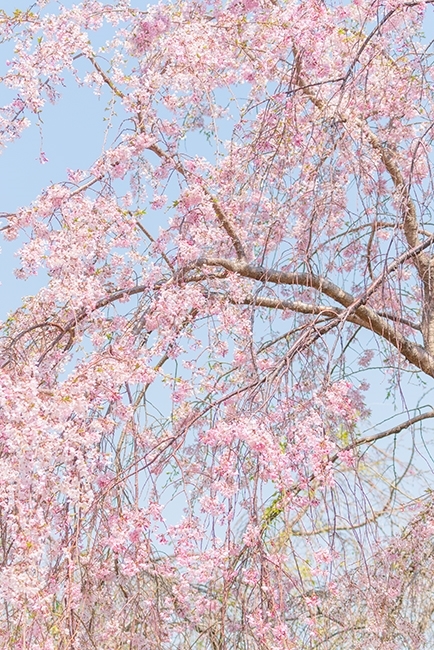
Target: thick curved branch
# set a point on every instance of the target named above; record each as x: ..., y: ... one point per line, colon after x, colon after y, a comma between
x: 289, y: 305
x: 320, y: 310
x: 355, y: 308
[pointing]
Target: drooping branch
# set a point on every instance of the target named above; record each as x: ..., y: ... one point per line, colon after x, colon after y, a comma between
x: 277, y: 506
x: 423, y: 262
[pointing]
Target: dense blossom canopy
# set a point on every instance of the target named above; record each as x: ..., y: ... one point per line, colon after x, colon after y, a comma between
x: 185, y: 453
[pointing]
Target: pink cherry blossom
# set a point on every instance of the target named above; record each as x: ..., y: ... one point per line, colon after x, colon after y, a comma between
x: 214, y: 412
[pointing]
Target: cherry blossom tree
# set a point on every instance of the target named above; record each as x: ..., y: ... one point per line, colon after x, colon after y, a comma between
x: 188, y: 457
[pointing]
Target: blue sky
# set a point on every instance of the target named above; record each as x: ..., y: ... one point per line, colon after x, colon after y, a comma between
x: 71, y: 135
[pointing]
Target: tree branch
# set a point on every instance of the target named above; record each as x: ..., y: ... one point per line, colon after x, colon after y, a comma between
x: 222, y: 218
x: 366, y: 316
x: 385, y: 434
